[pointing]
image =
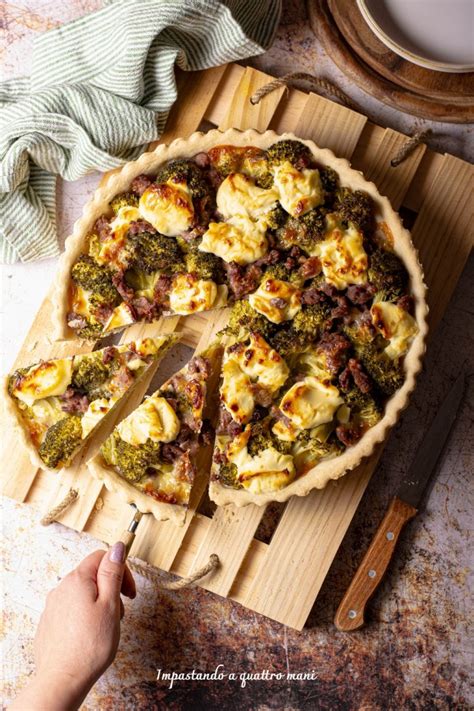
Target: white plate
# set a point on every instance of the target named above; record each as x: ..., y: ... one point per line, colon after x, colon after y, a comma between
x: 436, y: 34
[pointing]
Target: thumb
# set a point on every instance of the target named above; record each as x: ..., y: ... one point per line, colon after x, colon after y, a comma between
x: 110, y: 573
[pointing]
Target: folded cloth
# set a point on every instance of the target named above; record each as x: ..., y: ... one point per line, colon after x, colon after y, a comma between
x: 100, y: 90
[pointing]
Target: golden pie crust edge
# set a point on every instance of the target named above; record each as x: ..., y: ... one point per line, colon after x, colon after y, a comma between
x: 131, y: 495
x: 319, y: 476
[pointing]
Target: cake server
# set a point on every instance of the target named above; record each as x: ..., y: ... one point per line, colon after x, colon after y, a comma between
x: 350, y: 613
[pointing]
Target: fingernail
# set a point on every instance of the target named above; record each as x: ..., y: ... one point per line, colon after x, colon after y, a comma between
x: 117, y: 552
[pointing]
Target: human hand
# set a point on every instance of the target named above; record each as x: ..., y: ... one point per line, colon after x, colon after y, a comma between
x: 79, y: 631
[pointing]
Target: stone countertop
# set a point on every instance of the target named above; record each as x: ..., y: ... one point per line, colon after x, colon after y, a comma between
x: 415, y: 651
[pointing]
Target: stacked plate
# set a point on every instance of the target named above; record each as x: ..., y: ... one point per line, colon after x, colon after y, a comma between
x: 435, y: 34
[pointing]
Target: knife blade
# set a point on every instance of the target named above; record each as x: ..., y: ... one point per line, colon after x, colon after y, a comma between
x: 402, y: 508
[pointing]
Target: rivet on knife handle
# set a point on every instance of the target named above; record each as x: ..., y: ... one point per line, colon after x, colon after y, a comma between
x: 350, y: 614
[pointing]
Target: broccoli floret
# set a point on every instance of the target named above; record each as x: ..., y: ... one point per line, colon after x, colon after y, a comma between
x: 311, y: 319
x: 185, y: 171
x: 279, y: 271
x: 124, y: 200
x: 304, y: 231
x: 95, y: 278
x: 244, y: 319
x: 356, y: 207
x: 263, y: 438
x: 368, y: 347
x: 60, y: 442
x: 251, y: 161
x: 205, y: 265
x: 131, y: 461
x: 228, y: 475
x: 91, y: 331
x: 360, y: 334
x: 329, y: 181
x: 286, y: 340
x: 89, y: 372
x: 291, y: 233
x: 314, y: 223
x: 364, y: 409
x: 152, y: 252
x: 387, y: 374
x: 388, y: 274
x: 276, y: 217
x: 139, y: 281
x: 292, y: 151
x: 317, y: 448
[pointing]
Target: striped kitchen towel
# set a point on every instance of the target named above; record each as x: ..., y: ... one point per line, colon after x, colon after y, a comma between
x: 101, y: 88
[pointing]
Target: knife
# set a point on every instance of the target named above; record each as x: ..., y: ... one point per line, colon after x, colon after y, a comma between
x: 402, y: 508
x: 128, y: 536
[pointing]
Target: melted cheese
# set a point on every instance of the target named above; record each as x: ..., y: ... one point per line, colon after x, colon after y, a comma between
x: 47, y: 412
x: 238, y: 240
x: 261, y: 363
x: 286, y: 431
x: 80, y: 302
x: 110, y: 250
x: 236, y: 392
x: 299, y: 190
x: 269, y: 470
x: 167, y: 483
x: 94, y: 413
x: 264, y: 300
x: 396, y: 325
x: 190, y: 294
x: 168, y: 207
x: 310, y: 402
x: 238, y: 195
x: 44, y: 380
x: 343, y: 258
x: 154, y: 419
x: 120, y: 316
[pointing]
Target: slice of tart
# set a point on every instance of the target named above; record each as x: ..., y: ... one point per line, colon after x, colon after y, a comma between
x: 150, y: 457
x: 56, y: 405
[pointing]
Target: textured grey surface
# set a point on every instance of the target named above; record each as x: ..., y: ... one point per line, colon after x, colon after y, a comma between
x: 416, y: 651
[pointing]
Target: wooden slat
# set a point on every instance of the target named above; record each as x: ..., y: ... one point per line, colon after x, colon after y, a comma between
x: 303, y: 547
x: 330, y: 125
x: 393, y: 182
x: 443, y: 232
x: 241, y: 113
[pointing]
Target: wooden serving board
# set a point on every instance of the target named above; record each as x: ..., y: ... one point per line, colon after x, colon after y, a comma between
x: 358, y: 52
x: 280, y: 579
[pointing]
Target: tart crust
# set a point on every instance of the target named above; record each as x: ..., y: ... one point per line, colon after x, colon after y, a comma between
x: 146, y: 504
x: 19, y: 429
x: 320, y: 475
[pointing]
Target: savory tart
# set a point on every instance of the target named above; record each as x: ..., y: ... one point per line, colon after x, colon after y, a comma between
x: 56, y: 405
x: 323, y: 280
x: 149, y: 459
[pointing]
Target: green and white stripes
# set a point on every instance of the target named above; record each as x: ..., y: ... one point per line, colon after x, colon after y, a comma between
x: 100, y: 90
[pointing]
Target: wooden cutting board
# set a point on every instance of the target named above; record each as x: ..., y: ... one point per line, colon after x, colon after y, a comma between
x: 358, y: 52
x: 280, y: 579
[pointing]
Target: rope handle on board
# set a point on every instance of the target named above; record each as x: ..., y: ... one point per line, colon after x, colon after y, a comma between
x: 314, y: 82
x: 329, y: 88
x: 149, y: 571
x: 56, y: 511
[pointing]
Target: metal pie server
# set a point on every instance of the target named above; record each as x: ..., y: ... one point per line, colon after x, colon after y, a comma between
x: 350, y: 613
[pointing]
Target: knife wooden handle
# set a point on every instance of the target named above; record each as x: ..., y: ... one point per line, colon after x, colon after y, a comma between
x: 127, y: 539
x: 350, y: 613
